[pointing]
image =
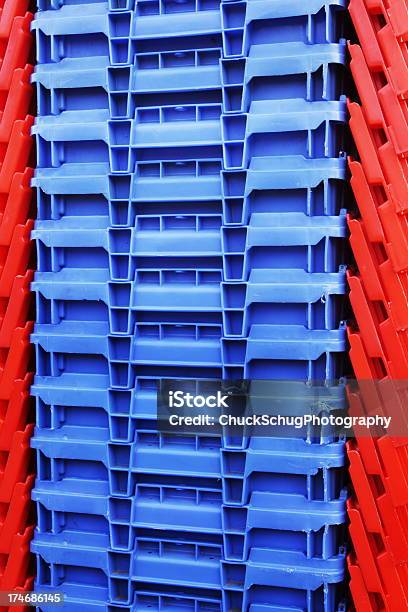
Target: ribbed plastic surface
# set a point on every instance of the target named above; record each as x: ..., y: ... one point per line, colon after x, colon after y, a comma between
x: 379, y: 351
x: 191, y: 224
x: 16, y: 262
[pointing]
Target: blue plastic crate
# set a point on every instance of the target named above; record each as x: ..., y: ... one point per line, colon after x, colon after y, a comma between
x: 311, y: 129
x: 287, y: 522
x: 146, y: 602
x: 90, y: 31
x: 304, y: 128
x: 167, y: 25
x: 191, y: 296
x: 285, y: 352
x: 170, y: 77
x: 48, y: 5
x: 271, y: 520
x: 85, y: 401
x: 151, y: 602
x: 88, y: 407
x: 271, y: 184
x: 292, y: 70
x: 314, y: 471
x: 251, y: 470
x: 112, y: 5
x: 272, y: 240
x: 196, y: 567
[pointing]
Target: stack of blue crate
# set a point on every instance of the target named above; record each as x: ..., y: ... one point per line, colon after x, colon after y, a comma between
x: 191, y: 223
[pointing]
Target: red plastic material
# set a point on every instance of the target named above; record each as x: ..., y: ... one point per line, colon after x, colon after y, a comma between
x: 379, y: 297
x: 15, y: 516
x: 394, y: 12
x: 361, y: 598
x: 15, y: 411
x: 383, y: 109
x: 381, y: 283
x: 16, y: 262
x: 384, y: 52
x: 9, y: 9
x: 382, y: 223
x: 381, y: 340
x: 381, y: 497
x: 398, y: 14
x: 378, y: 574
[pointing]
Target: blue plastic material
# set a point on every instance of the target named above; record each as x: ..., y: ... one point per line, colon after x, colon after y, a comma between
x: 271, y: 184
x: 315, y: 585
x: 287, y: 240
x: 191, y: 191
x: 315, y: 470
x: 189, y: 565
x: 311, y: 527
x: 164, y: 25
x: 291, y: 70
x: 300, y: 127
x: 288, y: 352
x: 266, y: 21
x: 145, y: 601
x: 85, y: 403
x: 284, y: 184
x: 270, y: 296
x: 283, y: 71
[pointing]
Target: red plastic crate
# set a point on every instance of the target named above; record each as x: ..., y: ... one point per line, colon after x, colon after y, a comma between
x: 383, y: 52
x: 15, y: 516
x: 16, y: 567
x: 15, y: 50
x: 15, y: 259
x: 362, y: 599
x: 16, y: 255
x: 382, y: 223
x: 381, y: 283
x: 15, y: 205
x: 380, y: 515
x: 379, y: 297
x: 9, y: 10
x: 382, y: 166
x: 15, y: 309
x: 380, y: 337
x: 378, y: 571
x: 398, y: 14
x: 383, y: 109
x: 15, y: 464
x: 14, y: 156
x: 14, y: 361
x: 394, y: 12
x: 15, y: 411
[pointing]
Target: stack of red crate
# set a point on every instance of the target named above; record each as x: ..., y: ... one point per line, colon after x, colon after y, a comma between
x: 379, y: 296
x: 16, y: 259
